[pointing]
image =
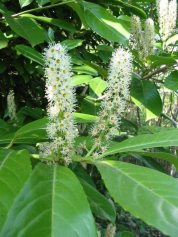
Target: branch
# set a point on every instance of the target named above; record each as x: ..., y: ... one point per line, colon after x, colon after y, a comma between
x: 157, y: 71
x: 171, y: 120
x: 39, y: 9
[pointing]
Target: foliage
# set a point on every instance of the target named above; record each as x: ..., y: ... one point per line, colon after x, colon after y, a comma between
x: 40, y: 197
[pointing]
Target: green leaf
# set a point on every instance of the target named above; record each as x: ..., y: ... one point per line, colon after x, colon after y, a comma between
x: 56, y: 22
x: 27, y: 28
x: 160, y: 155
x: 160, y: 139
x: 85, y: 118
x: 71, y: 44
x: 30, y: 53
x: 35, y: 131
x: 105, y: 24
x: 172, y: 40
x: 161, y: 60
x: 14, y: 171
x: 81, y: 79
x: 171, y: 81
x: 24, y: 3
x: 42, y: 2
x: 99, y: 204
x: 131, y: 8
x: 86, y: 70
x: 147, y: 194
x: 32, y: 132
x: 144, y: 93
x: 3, y: 41
x: 98, y: 85
x: 52, y: 203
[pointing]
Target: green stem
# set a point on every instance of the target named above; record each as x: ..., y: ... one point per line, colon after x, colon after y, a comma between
x: 10, y: 144
x: 40, y: 9
x: 91, y: 150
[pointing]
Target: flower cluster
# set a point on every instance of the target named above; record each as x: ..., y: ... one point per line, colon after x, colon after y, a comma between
x: 143, y: 41
x: 167, y: 15
x: 114, y: 102
x: 11, y: 105
x: 61, y: 102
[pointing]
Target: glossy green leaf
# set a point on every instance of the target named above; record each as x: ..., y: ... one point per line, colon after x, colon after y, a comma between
x: 160, y: 139
x: 52, y: 21
x: 105, y: 24
x: 79, y: 11
x: 51, y: 204
x: 98, y: 85
x: 34, y: 131
x: 71, y: 44
x: 160, y: 155
x: 131, y: 8
x: 86, y: 70
x: 161, y: 60
x: 147, y: 194
x: 14, y: 171
x: 171, y: 81
x: 30, y: 53
x: 27, y: 28
x: 145, y: 95
x: 81, y: 79
x: 101, y: 207
x: 85, y: 118
x: 3, y: 40
x: 24, y: 3
x: 42, y: 2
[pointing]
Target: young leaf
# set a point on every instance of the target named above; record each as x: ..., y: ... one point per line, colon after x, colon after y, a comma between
x: 81, y: 79
x: 51, y: 204
x: 15, y: 168
x: 147, y: 194
x: 98, y: 85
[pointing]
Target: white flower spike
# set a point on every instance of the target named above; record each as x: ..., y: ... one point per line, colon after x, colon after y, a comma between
x: 114, y: 102
x: 167, y: 16
x: 61, y: 102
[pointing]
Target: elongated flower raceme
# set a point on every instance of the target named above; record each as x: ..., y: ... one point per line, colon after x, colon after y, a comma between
x: 149, y: 37
x: 11, y: 106
x: 114, y: 102
x: 138, y: 37
x: 167, y: 15
x: 61, y: 102
x: 143, y: 40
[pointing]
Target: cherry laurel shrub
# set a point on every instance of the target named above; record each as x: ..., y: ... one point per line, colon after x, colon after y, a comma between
x: 70, y: 172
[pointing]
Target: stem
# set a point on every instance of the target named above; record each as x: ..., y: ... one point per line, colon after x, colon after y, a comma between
x: 40, y: 9
x: 157, y: 71
x: 91, y: 151
x: 171, y: 120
